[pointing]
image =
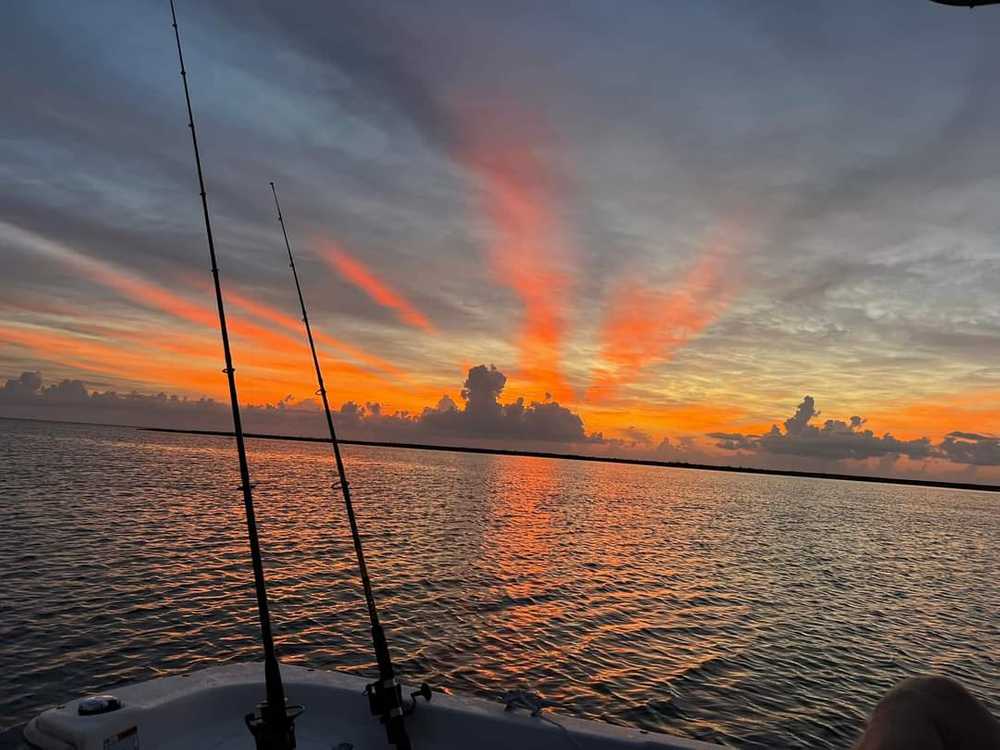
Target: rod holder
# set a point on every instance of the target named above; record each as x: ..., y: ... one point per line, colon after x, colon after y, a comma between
x: 273, y: 729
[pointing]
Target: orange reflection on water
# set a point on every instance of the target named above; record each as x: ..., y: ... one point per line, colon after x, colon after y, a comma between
x: 586, y: 573
x: 520, y: 543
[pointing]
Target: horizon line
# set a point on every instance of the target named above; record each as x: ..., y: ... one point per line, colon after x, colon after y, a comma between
x: 937, y: 483
x: 875, y: 479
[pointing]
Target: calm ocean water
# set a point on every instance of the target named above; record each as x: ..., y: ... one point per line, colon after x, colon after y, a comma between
x: 755, y: 611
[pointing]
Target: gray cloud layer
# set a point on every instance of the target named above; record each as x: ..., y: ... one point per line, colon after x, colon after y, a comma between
x: 482, y: 416
x: 483, y: 419
x: 838, y: 440
x: 970, y: 448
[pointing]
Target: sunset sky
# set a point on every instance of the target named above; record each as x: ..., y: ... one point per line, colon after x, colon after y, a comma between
x: 675, y: 220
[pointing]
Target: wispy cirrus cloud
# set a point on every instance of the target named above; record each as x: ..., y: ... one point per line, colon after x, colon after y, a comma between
x: 294, y: 325
x: 141, y: 291
x: 876, y: 185
x: 528, y: 252
x: 100, y: 356
x: 108, y: 275
x: 273, y: 362
x: 646, y: 324
x: 378, y: 290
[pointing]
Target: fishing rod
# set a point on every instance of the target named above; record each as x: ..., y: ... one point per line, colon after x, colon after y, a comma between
x: 272, y: 724
x: 386, y: 695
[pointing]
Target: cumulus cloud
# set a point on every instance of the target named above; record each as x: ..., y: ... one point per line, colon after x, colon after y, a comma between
x: 637, y: 437
x: 971, y: 448
x: 28, y: 387
x: 834, y: 440
x: 71, y: 400
x: 481, y: 416
x: 484, y: 416
x: 25, y: 386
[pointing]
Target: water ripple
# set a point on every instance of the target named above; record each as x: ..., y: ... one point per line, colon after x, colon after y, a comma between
x: 753, y: 611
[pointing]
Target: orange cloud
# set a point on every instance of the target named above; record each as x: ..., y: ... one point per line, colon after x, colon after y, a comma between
x: 527, y: 254
x: 270, y: 364
x: 165, y: 358
x: 156, y: 297
x: 644, y: 325
x: 153, y: 296
x: 294, y: 325
x: 148, y: 294
x: 362, y: 277
x: 91, y: 355
x: 177, y: 358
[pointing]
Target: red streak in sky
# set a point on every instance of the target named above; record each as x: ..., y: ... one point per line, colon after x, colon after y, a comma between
x: 295, y: 326
x: 284, y: 350
x: 362, y: 277
x: 644, y: 325
x: 527, y: 253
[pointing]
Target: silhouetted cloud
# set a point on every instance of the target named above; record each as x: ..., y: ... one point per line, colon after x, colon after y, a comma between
x: 835, y: 440
x: 28, y: 387
x: 25, y: 387
x: 482, y: 416
x: 971, y: 448
x: 637, y: 437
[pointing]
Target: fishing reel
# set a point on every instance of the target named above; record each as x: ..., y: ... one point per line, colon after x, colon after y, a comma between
x: 273, y: 728
x: 385, y: 699
x: 424, y: 692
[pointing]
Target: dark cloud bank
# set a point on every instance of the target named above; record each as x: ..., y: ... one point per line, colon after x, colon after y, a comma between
x: 836, y: 440
x: 483, y: 419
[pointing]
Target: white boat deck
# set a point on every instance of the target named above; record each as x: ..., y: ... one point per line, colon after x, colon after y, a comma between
x: 206, y: 708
